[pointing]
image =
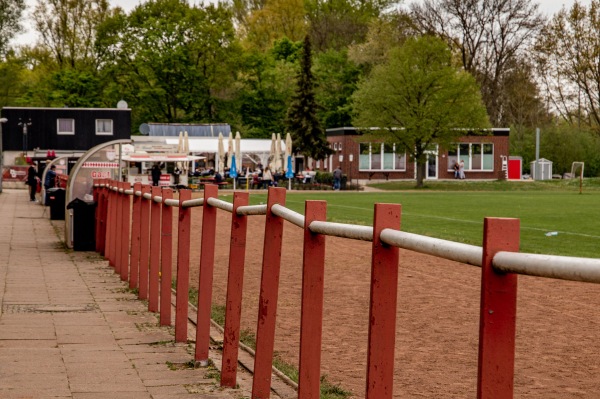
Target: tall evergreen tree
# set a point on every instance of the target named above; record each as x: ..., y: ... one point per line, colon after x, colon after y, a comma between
x: 302, y: 122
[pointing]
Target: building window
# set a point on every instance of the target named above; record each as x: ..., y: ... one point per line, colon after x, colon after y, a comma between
x: 476, y: 156
x: 65, y: 126
x: 377, y: 156
x: 104, y: 127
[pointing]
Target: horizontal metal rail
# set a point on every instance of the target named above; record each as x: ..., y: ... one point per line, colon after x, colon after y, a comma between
x: 192, y: 203
x: 450, y: 250
x: 217, y: 203
x: 551, y: 266
x: 252, y: 210
x: 288, y: 214
x: 171, y: 202
x: 355, y: 232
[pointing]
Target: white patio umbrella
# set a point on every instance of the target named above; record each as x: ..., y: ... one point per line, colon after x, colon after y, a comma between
x: 183, y: 178
x: 229, y: 150
x: 278, y: 153
x: 180, y: 149
x: 221, y: 154
x: 238, y: 150
x: 272, y: 152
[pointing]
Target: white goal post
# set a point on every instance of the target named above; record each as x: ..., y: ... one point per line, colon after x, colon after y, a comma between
x: 577, y: 170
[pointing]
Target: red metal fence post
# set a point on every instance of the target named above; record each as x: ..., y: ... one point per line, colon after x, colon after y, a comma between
x: 166, y: 250
x: 126, y: 228
x: 109, y: 222
x: 311, y: 321
x: 269, y: 290
x: 235, y: 284
x: 498, y: 313
x: 119, y: 227
x: 135, y: 237
x: 382, y: 309
x: 207, y: 264
x: 114, y: 211
x: 144, y: 243
x: 97, y: 194
x: 101, y: 218
x: 154, y: 250
x: 184, y: 227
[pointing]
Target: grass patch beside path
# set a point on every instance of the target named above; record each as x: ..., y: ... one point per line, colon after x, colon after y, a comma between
x: 570, y: 185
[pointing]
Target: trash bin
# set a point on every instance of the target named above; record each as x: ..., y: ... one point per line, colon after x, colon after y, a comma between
x: 55, y: 198
x: 84, y: 224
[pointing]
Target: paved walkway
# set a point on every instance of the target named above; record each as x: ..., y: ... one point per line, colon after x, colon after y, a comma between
x: 69, y: 328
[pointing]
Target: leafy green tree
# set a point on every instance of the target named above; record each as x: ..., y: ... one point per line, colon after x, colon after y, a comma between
x: 12, y: 80
x: 265, y: 92
x: 338, y: 78
x: 384, y: 33
x: 307, y: 134
x: 418, y: 99
x: 68, y: 29
x: 10, y: 22
x: 276, y: 20
x: 335, y: 24
x: 172, y: 62
x: 567, y: 60
x: 488, y: 34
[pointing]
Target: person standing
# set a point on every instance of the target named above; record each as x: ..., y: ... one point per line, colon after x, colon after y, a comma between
x: 461, y: 169
x: 32, y: 182
x: 267, y: 178
x: 337, y: 178
x: 155, y: 173
x: 50, y: 181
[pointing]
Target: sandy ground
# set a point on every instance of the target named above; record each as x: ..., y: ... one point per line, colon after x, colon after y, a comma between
x: 558, y: 345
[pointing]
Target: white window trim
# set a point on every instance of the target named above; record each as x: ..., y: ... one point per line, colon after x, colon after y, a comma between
x: 59, y: 132
x: 370, y: 169
x: 471, y: 157
x: 111, y: 133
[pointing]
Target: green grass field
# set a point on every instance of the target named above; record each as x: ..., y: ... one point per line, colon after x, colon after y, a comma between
x: 456, y: 211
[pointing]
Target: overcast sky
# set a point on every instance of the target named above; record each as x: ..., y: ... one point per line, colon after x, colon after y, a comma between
x: 547, y: 6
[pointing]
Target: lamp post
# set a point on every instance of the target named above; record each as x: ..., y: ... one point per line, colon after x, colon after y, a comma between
x: 24, y: 125
x: 2, y: 120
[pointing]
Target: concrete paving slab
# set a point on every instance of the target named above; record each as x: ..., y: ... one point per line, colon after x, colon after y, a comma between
x: 70, y: 328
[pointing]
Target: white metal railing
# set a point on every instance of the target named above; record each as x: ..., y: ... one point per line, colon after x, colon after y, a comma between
x: 550, y: 266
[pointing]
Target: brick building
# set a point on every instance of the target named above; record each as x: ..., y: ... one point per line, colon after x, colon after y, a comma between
x: 485, y: 157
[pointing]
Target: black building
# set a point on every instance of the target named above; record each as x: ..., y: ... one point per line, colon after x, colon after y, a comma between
x: 66, y: 129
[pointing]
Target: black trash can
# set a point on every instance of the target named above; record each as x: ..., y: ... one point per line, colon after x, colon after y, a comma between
x: 84, y: 224
x: 55, y: 198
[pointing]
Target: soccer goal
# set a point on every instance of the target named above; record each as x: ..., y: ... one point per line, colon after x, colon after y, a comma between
x: 577, y: 170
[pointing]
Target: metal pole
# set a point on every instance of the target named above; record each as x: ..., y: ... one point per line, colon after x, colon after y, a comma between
x: 2, y: 120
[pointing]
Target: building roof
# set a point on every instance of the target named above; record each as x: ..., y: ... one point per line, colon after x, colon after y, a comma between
x: 193, y: 129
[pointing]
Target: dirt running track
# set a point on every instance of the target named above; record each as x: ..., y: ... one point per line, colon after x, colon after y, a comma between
x: 558, y: 323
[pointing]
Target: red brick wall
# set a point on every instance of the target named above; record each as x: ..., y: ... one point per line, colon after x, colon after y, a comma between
x: 350, y: 145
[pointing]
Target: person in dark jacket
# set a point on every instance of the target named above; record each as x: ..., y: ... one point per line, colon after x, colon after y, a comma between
x: 155, y: 172
x: 32, y: 182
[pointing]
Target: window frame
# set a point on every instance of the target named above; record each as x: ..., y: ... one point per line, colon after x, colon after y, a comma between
x: 65, y: 132
x: 469, y: 157
x: 98, y: 133
x: 382, y: 158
